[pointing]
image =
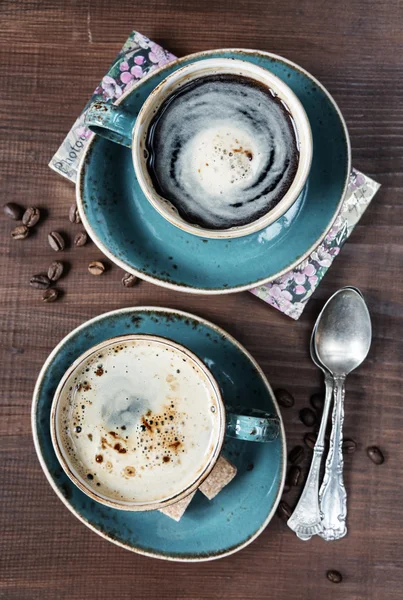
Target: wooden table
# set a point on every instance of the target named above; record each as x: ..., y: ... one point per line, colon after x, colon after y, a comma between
x: 51, y: 56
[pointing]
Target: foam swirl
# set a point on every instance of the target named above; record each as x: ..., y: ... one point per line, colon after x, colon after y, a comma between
x: 135, y: 421
x: 223, y: 150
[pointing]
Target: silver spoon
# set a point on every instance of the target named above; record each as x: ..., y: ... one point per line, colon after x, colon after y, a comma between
x: 342, y: 341
x: 306, y: 519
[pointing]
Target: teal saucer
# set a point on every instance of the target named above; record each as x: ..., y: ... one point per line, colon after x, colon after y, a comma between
x: 208, y: 529
x: 124, y: 225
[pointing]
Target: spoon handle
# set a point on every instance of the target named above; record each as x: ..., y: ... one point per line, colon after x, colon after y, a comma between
x: 306, y: 519
x: 332, y: 495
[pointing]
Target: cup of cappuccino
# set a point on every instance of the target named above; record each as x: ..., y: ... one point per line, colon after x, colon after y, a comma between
x: 221, y: 148
x: 138, y: 422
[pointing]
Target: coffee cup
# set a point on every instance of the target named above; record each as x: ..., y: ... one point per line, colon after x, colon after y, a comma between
x: 221, y: 148
x: 138, y: 422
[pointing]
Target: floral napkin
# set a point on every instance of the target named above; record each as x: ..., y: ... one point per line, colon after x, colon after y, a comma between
x: 291, y: 292
x: 140, y: 56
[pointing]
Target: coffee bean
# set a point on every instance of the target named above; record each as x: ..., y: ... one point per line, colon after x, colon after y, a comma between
x: 284, y: 510
x: 284, y: 398
x: 31, y: 216
x: 50, y: 295
x: 375, y: 455
x: 349, y: 446
x: 296, y: 455
x: 56, y: 241
x: 55, y: 270
x: 96, y: 267
x: 40, y: 282
x: 129, y: 280
x: 13, y: 211
x: 20, y: 232
x: 310, y: 440
x: 74, y: 215
x: 307, y: 416
x: 334, y: 576
x: 293, y: 475
x: 317, y: 402
x: 80, y: 239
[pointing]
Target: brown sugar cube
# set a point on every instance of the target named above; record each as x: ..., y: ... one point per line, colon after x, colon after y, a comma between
x: 176, y: 511
x: 220, y: 476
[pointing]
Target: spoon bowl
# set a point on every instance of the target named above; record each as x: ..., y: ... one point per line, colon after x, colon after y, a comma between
x: 312, y: 349
x: 343, y: 335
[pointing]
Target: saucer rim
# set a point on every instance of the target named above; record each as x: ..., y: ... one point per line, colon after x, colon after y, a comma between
x: 191, y: 289
x: 42, y: 462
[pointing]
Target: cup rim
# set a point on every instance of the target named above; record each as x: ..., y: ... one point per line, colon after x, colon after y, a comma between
x: 303, y: 130
x: 193, y: 289
x: 137, y: 506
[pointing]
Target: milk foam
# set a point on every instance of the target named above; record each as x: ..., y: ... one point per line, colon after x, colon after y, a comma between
x: 138, y: 422
x: 222, y: 150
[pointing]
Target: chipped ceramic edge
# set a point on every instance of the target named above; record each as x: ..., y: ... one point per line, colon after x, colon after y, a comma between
x: 220, y: 331
x: 229, y: 290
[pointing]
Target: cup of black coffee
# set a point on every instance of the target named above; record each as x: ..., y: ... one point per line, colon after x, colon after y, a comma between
x: 221, y: 147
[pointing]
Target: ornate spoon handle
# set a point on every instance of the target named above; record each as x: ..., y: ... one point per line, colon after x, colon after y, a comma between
x: 332, y: 495
x: 306, y: 519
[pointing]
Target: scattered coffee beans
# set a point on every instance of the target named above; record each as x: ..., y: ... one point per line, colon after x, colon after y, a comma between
x: 96, y: 267
x: 307, y: 416
x: 349, y: 446
x: 56, y: 241
x: 20, y: 232
x: 40, y: 282
x: 310, y: 440
x: 317, y: 402
x: 284, y: 398
x: 80, y: 239
x: 296, y: 455
x: 55, y: 270
x: 74, y: 215
x: 334, y: 576
x: 50, y: 295
x: 31, y: 216
x: 375, y: 455
x: 286, y: 487
x: 293, y: 476
x: 129, y: 280
x: 13, y: 211
x: 284, y: 510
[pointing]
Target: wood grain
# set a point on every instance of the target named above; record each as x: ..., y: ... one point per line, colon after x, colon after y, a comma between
x: 51, y: 55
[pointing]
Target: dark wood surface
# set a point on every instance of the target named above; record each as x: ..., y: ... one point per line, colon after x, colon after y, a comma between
x: 51, y: 56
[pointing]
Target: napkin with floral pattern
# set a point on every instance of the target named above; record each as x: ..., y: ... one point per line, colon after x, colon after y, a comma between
x: 289, y: 293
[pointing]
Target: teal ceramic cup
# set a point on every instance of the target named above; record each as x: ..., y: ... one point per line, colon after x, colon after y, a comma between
x: 138, y: 422
x: 118, y: 125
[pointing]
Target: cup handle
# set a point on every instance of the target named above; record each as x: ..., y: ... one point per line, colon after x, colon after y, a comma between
x: 252, y: 425
x: 111, y: 122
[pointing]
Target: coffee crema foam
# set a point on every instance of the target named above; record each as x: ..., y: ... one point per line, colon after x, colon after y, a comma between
x: 223, y: 150
x: 138, y: 422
